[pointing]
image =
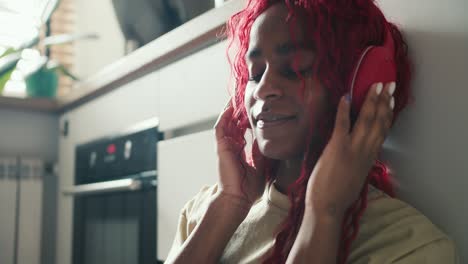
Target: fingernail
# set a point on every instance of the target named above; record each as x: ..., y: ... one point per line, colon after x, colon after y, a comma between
x: 348, y: 98
x: 379, y: 87
x: 391, y: 89
x: 392, y: 102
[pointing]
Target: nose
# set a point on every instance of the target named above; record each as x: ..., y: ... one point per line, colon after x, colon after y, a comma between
x: 268, y: 88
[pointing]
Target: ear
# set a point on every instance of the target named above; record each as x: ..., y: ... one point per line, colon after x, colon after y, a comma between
x: 376, y: 64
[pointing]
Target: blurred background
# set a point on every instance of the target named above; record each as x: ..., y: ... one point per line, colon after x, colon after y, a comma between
x: 83, y: 36
x: 107, y: 109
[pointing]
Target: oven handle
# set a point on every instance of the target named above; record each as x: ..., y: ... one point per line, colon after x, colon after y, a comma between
x: 104, y: 187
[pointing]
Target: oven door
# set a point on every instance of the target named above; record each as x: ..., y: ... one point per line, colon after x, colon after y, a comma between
x: 115, y: 222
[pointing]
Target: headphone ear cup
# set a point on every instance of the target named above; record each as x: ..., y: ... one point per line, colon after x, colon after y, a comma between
x: 376, y: 64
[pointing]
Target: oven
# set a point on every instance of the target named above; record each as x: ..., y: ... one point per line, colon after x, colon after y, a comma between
x: 114, y: 196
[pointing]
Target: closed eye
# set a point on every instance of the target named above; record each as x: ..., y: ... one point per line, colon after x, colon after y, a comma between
x: 256, y: 78
x: 289, y: 73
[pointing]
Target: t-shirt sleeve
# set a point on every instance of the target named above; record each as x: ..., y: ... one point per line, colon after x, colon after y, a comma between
x: 436, y: 252
x: 392, y: 231
x: 189, y: 216
x: 181, y: 234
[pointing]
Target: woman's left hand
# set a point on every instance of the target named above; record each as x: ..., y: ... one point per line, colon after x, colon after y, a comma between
x: 339, y: 174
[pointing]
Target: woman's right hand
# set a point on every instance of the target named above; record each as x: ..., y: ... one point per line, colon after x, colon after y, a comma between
x: 237, y: 178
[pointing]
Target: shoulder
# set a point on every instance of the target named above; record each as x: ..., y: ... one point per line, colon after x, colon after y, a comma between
x: 391, y: 231
x: 193, y: 211
x: 195, y: 207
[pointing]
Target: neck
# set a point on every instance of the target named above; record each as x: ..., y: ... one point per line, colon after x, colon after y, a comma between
x: 288, y: 172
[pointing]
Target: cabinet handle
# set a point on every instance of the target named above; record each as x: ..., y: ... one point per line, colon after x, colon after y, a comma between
x: 104, y: 187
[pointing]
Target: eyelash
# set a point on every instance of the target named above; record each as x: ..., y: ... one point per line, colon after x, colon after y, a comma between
x: 287, y: 72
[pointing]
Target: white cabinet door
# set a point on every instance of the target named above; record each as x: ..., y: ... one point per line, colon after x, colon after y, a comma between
x: 194, y: 88
x: 185, y: 165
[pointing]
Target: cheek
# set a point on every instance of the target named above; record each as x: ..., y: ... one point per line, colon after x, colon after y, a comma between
x: 316, y: 99
x: 248, y: 103
x: 315, y: 105
x: 290, y: 143
x: 315, y: 91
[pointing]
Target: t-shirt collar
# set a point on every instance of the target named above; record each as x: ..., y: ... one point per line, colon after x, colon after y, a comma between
x: 276, y: 198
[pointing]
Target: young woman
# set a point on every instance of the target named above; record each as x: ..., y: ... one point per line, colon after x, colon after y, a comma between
x: 311, y: 188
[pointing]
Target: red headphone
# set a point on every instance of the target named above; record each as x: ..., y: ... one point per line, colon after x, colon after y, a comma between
x: 376, y: 64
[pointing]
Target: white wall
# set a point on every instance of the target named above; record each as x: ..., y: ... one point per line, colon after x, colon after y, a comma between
x: 428, y: 146
x: 93, y: 55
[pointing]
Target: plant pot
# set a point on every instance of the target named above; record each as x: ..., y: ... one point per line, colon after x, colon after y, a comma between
x: 43, y: 83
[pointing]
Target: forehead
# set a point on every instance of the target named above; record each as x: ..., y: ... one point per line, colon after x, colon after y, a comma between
x: 272, y: 27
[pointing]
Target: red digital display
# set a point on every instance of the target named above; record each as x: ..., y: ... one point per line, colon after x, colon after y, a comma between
x: 111, y: 149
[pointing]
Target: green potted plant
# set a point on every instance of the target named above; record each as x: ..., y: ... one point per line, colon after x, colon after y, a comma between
x: 38, y: 73
x: 44, y: 81
x: 41, y: 73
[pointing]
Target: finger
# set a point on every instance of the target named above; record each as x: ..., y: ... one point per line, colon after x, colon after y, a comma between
x: 228, y: 104
x: 223, y: 120
x: 366, y: 116
x: 228, y: 144
x: 384, y: 118
x: 342, y: 121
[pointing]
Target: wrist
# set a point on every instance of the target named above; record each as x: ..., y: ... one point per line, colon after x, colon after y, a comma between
x: 329, y: 215
x: 232, y: 205
x: 318, y: 238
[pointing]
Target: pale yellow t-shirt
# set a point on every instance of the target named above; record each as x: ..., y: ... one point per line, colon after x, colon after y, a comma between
x: 390, y: 231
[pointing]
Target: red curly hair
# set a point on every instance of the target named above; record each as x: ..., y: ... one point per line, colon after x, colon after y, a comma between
x: 338, y: 30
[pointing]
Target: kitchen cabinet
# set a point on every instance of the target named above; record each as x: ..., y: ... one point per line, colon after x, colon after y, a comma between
x: 29, y: 104
x: 185, y: 165
x: 116, y: 111
x: 194, y: 88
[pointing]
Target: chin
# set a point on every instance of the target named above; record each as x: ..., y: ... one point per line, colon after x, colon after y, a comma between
x: 279, y: 150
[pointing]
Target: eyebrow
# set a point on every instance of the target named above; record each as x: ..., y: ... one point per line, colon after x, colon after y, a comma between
x: 282, y: 50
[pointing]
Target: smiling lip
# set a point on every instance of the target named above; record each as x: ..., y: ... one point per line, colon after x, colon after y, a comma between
x: 262, y: 124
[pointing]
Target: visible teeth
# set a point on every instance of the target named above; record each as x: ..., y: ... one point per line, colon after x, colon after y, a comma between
x: 270, y: 119
x: 261, y: 122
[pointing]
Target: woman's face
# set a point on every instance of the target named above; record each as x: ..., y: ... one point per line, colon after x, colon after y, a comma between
x: 278, y: 114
